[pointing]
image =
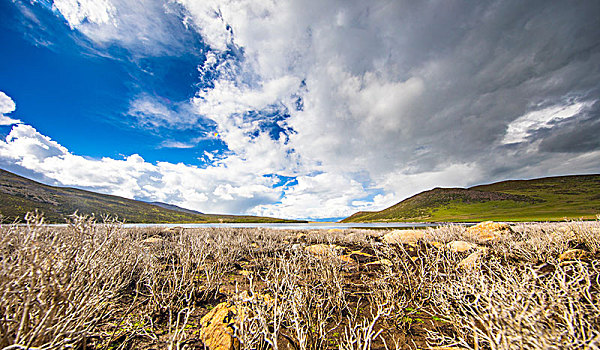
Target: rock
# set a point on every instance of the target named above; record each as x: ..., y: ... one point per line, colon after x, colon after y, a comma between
x: 460, y: 246
x: 404, y: 236
x: 437, y: 244
x: 152, y: 240
x: 488, y: 230
x: 247, y: 298
x: 361, y: 257
x: 574, y: 254
x: 376, y: 234
x: 217, y: 327
x: 471, y: 261
x: 301, y: 237
x: 355, y: 258
x: 380, y: 263
x: 324, y: 249
x: 346, y: 259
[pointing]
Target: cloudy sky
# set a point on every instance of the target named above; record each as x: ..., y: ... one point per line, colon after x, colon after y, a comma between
x: 309, y: 109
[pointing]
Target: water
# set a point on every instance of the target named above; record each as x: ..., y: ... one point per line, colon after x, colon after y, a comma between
x: 300, y: 226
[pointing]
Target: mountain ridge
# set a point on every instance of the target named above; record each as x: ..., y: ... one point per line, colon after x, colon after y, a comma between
x: 19, y: 195
x: 540, y: 199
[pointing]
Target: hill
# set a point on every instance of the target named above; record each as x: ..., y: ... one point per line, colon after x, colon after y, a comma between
x: 176, y: 208
x: 19, y: 195
x: 544, y: 199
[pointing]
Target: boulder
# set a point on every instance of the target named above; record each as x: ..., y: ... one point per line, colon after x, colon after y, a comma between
x: 217, y: 328
x: 471, y: 261
x: 324, y: 249
x: 460, y: 246
x: 488, y: 230
x: 361, y: 257
x: 346, y: 259
x: 379, y: 264
x: 152, y: 240
x: 404, y: 236
x: 437, y: 244
x: 574, y: 254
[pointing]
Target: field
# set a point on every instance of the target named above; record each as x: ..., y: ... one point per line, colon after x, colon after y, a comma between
x: 101, y: 286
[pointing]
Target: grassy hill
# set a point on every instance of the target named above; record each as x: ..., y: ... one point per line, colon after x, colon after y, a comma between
x: 544, y: 199
x: 19, y: 195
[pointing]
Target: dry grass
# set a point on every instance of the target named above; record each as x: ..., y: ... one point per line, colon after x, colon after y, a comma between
x: 100, y: 286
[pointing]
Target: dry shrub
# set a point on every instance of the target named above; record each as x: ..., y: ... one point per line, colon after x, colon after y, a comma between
x: 57, y: 284
x: 522, y: 297
x: 99, y: 285
x: 587, y: 234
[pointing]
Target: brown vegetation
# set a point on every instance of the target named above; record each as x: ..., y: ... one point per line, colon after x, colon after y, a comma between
x: 102, y: 286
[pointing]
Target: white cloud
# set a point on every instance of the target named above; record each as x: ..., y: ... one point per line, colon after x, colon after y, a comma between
x: 7, y: 105
x: 233, y: 185
x: 151, y: 113
x: 4, y: 120
x: 147, y: 27
x: 176, y: 144
x: 131, y: 177
x: 77, y: 12
x: 527, y: 124
x: 324, y: 195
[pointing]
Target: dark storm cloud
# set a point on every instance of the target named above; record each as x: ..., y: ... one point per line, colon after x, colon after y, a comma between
x: 511, y: 58
x: 576, y: 135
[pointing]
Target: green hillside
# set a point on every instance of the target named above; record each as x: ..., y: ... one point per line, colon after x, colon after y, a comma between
x: 19, y: 195
x: 544, y: 199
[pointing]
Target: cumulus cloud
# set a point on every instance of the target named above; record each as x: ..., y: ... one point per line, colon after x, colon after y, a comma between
x: 7, y: 105
x: 130, y: 177
x: 402, y: 89
x: 231, y: 186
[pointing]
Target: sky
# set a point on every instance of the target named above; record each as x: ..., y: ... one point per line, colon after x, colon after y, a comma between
x: 306, y: 109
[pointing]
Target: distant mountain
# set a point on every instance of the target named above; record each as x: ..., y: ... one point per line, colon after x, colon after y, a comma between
x: 550, y: 198
x: 19, y: 195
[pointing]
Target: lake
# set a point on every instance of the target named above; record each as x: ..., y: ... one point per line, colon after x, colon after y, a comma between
x: 302, y: 226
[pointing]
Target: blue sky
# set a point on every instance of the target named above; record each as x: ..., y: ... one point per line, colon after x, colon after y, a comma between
x: 67, y: 85
x: 297, y: 109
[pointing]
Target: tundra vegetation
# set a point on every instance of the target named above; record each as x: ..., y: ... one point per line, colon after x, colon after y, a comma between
x: 98, y: 285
